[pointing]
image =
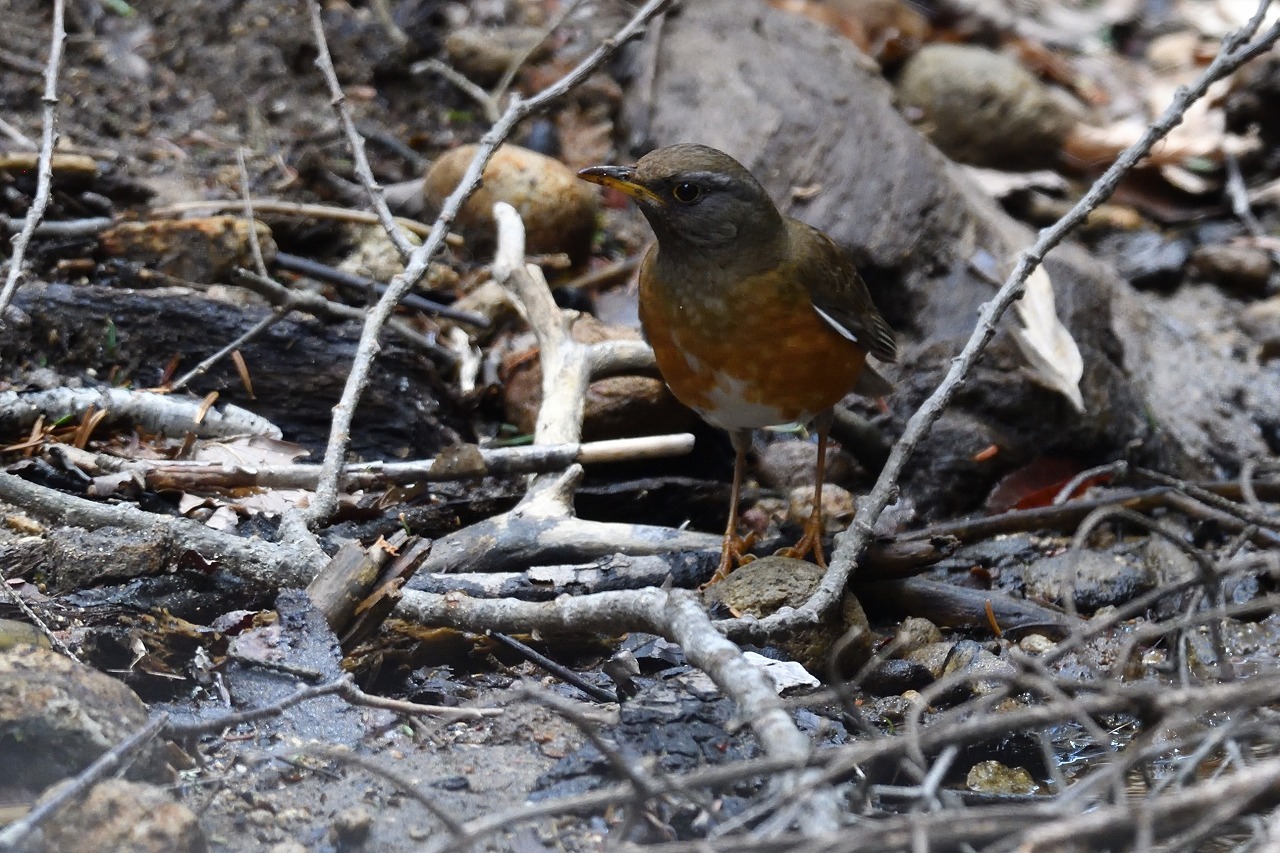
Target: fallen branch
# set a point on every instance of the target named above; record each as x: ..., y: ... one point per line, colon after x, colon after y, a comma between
x: 465, y: 462
x: 44, y: 168
x: 266, y: 565
x: 153, y: 412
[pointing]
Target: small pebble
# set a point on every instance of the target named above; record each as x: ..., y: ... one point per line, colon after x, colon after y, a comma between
x: 483, y: 54
x: 1146, y: 259
x: 788, y: 464
x: 1036, y: 644
x: 1243, y: 270
x: 351, y: 827
x: 992, y: 777
x: 1261, y: 321
x: 838, y: 506
x: 916, y: 632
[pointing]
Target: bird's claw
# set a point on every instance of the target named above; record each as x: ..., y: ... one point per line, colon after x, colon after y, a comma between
x: 810, y: 543
x: 734, y: 553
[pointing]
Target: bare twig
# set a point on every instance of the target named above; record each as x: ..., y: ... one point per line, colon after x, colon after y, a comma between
x: 405, y: 786
x: 15, y: 135
x: 324, y: 272
x: 11, y: 595
x: 462, y: 84
x: 258, y: 328
x: 44, y: 169
x: 290, y: 208
x: 314, y: 303
x: 340, y: 430
x: 518, y: 61
x: 354, y: 139
x: 157, y: 413
x: 460, y: 463
x: 251, y: 224
x: 70, y: 228
x: 561, y: 672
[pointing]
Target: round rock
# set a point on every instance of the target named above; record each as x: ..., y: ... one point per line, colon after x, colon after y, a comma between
x: 558, y: 209
x: 58, y: 716
x: 764, y: 586
x: 984, y: 108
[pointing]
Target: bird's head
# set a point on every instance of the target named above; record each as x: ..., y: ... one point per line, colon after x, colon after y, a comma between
x: 696, y: 197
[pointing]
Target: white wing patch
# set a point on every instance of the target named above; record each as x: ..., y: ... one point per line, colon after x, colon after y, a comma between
x: 831, y: 321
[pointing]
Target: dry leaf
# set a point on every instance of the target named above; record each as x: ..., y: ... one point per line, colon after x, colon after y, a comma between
x: 248, y: 451
x: 1050, y: 350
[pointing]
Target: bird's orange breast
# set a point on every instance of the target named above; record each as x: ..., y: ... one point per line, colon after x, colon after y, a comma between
x: 752, y: 354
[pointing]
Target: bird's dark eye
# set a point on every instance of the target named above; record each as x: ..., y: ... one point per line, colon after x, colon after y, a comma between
x: 686, y: 193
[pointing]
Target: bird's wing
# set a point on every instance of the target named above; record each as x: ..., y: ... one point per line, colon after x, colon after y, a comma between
x: 840, y: 295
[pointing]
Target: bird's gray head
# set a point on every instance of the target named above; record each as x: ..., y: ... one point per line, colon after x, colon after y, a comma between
x: 696, y: 198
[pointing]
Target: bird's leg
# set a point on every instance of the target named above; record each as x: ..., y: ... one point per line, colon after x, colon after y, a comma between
x: 733, y: 546
x: 813, y: 526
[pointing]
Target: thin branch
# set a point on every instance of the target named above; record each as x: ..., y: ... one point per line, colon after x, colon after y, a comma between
x: 339, y: 101
x: 313, y: 303
x: 44, y: 169
x: 405, y: 786
x: 253, y: 560
x: 15, y: 135
x: 465, y: 462
x: 462, y: 84
x: 292, y: 208
x: 326, y: 498
x: 258, y: 328
x: 11, y: 595
x: 70, y: 228
x: 518, y: 61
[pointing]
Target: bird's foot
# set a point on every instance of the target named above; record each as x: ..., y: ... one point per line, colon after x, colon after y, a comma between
x: 734, y: 552
x: 810, y: 543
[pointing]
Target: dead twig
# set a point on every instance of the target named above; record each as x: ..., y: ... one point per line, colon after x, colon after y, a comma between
x: 313, y: 303
x: 254, y: 560
x: 44, y: 168
x: 350, y: 281
x: 326, y: 497
x: 343, y: 686
x: 155, y: 412
x: 256, y: 329
x: 461, y: 82
x: 355, y: 141
x: 461, y: 463
x: 561, y: 672
x: 405, y: 786
x: 291, y: 208
x: 517, y: 62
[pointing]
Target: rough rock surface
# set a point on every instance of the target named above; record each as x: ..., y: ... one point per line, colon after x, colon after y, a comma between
x: 58, y: 716
x: 125, y: 817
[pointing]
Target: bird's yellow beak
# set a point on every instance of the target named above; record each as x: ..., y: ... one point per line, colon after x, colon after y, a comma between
x: 623, y: 179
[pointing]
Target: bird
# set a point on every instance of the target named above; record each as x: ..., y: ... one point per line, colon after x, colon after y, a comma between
x: 756, y: 319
